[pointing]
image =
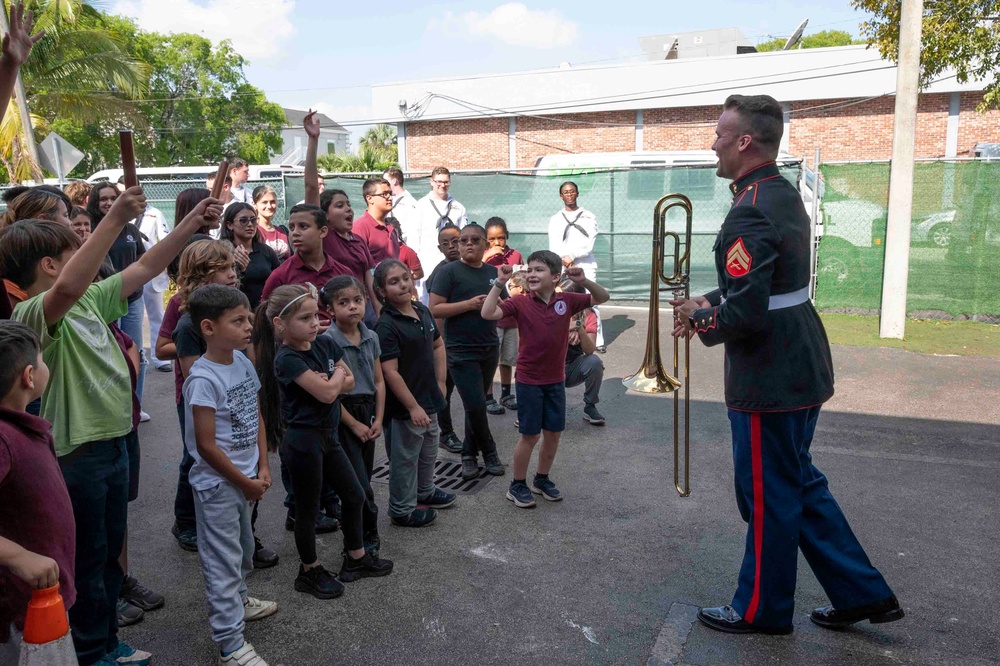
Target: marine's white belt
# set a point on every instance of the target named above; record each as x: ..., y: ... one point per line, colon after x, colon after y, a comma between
x: 782, y: 301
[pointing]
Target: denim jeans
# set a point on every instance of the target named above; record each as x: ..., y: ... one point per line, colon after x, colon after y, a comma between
x: 314, y: 457
x: 96, y: 476
x: 131, y: 323
x: 472, y: 370
x: 411, y: 467
x: 184, y: 513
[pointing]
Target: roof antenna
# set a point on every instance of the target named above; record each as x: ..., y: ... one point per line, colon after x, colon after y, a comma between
x: 796, y: 36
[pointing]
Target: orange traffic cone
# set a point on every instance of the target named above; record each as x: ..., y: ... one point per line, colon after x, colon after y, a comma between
x: 46, y: 640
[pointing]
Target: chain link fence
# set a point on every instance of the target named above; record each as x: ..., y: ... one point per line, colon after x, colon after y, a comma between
x: 954, y: 233
x: 622, y: 201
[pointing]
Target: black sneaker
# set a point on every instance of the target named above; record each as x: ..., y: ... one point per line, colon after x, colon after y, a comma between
x: 333, y: 510
x: 366, y: 567
x: 495, y: 408
x: 451, y: 443
x: 416, y: 518
x: 542, y: 485
x: 128, y: 614
x: 263, y: 557
x: 519, y: 494
x: 592, y: 416
x: 373, y: 543
x: 139, y: 596
x: 493, y: 464
x: 438, y: 499
x: 470, y: 468
x: 187, y: 537
x: 324, y: 523
x: 318, y: 582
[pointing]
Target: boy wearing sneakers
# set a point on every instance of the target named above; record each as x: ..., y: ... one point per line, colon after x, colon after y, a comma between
x: 230, y: 472
x: 542, y: 317
x: 89, y: 389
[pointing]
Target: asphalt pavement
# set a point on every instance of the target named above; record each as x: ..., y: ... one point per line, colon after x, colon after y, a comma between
x: 614, y: 574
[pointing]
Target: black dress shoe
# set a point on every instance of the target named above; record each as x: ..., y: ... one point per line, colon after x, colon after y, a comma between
x: 263, y: 557
x: 324, y: 524
x: 728, y: 620
x: 887, y: 610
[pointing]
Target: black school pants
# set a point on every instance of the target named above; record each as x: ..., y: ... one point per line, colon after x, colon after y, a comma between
x: 361, y: 454
x: 472, y: 369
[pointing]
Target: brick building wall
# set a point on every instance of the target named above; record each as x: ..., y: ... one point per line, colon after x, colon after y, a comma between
x: 608, y: 131
x: 475, y: 143
x: 973, y: 126
x: 860, y: 131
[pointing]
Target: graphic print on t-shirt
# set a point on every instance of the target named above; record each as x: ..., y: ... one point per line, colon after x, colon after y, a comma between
x: 243, y: 407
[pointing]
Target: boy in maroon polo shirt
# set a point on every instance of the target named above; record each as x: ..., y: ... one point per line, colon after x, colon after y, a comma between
x: 307, y: 227
x: 381, y: 238
x: 543, y: 322
x: 37, y: 530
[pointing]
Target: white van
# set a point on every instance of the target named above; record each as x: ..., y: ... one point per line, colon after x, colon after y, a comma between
x: 257, y: 172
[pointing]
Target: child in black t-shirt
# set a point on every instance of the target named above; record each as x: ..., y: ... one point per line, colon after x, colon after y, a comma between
x: 413, y: 364
x: 448, y: 244
x: 457, y: 295
x: 310, y: 375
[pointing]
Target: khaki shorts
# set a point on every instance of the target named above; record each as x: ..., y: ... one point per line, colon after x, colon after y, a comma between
x: 508, y: 346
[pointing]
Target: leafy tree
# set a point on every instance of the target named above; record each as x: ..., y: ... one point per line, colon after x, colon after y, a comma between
x: 963, y: 35
x: 816, y: 40
x: 199, y: 107
x: 377, y: 151
x: 80, y: 72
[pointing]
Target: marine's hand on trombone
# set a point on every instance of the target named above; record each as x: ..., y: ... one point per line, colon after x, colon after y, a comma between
x: 683, y: 309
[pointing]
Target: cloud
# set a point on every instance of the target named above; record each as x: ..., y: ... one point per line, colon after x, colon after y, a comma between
x: 513, y: 24
x: 255, y: 32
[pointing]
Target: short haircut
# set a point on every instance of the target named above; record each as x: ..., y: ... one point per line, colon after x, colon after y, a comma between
x: 78, y: 191
x: 474, y: 227
x: 326, y: 198
x: 237, y: 163
x: 761, y: 117
x: 396, y: 174
x: 19, y: 347
x: 80, y: 210
x: 12, y: 193
x: 549, y: 258
x: 497, y: 222
x: 317, y: 213
x: 210, y: 178
x: 519, y: 279
x: 448, y: 227
x: 569, y: 182
x: 211, y: 301
x: 25, y: 243
x: 368, y: 188
x: 441, y: 171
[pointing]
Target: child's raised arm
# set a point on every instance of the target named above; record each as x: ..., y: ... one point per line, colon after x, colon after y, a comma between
x: 16, y: 46
x: 598, y: 294
x: 156, y: 258
x: 78, y: 272
x: 491, y: 306
x: 311, y: 176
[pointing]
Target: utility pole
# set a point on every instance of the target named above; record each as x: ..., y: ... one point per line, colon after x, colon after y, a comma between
x: 896, y: 268
x: 22, y: 105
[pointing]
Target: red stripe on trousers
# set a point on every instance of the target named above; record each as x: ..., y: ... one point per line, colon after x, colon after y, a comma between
x: 758, y: 512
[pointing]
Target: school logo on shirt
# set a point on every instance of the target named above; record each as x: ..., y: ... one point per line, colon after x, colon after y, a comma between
x: 738, y: 260
x: 560, y: 308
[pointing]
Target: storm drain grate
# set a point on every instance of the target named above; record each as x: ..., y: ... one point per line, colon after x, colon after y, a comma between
x: 447, y: 476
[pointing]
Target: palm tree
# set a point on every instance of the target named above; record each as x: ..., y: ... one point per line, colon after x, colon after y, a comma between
x: 380, y: 137
x: 367, y: 160
x: 80, y: 71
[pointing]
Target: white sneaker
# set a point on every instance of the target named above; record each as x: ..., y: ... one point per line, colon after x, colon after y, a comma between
x: 255, y: 609
x: 143, y: 417
x: 245, y: 656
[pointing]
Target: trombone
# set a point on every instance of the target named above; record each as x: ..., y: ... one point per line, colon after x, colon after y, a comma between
x: 652, y: 377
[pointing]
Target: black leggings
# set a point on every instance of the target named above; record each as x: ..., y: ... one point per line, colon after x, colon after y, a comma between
x: 312, y: 455
x: 472, y: 370
x: 362, y: 454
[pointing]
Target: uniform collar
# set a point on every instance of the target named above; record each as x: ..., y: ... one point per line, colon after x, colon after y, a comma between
x: 759, y: 172
x: 297, y: 263
x: 338, y: 336
x: 37, y: 426
x: 391, y: 309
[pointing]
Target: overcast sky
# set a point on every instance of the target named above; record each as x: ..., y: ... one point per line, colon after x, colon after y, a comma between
x: 326, y: 54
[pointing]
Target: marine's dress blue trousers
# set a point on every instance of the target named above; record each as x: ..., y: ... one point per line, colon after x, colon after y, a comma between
x: 787, y: 505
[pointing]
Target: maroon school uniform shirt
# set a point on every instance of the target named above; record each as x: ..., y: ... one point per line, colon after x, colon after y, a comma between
x: 543, y: 329
x: 508, y: 257
x: 293, y: 271
x: 35, y: 510
x: 409, y: 257
x: 352, y: 252
x: 170, y: 318
x: 382, y: 240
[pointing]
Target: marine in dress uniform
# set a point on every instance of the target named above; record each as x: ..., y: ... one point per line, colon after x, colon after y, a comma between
x: 778, y: 373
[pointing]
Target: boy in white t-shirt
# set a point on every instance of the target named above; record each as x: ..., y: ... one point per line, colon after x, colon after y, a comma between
x: 226, y: 439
